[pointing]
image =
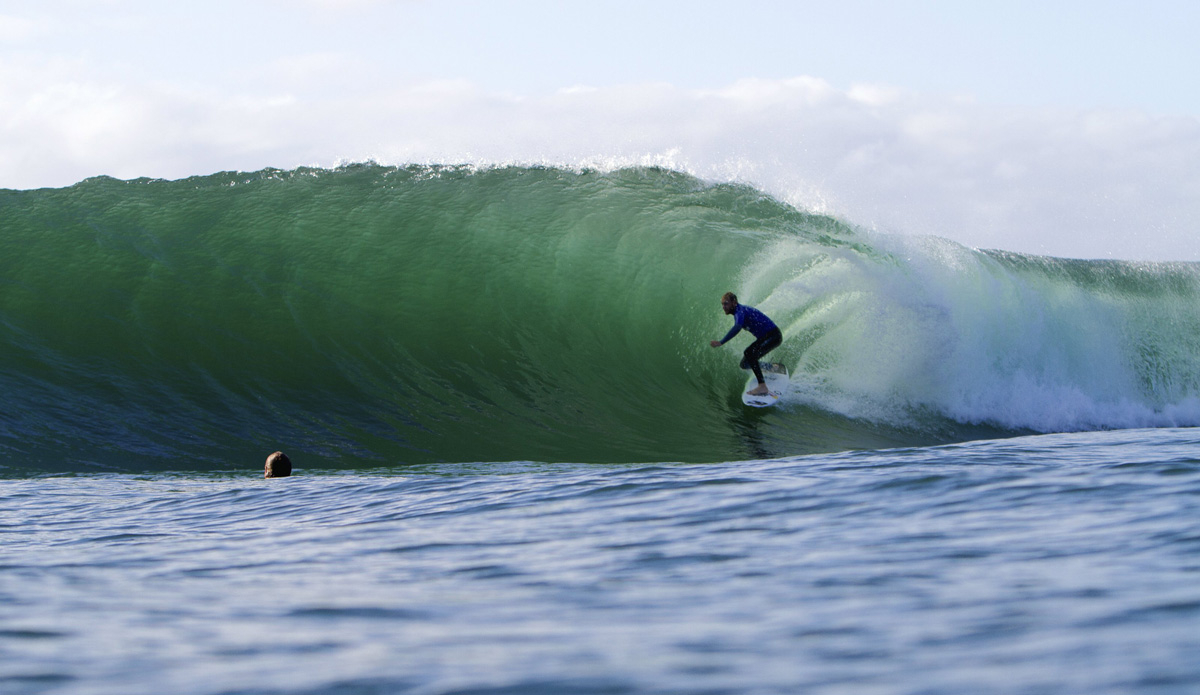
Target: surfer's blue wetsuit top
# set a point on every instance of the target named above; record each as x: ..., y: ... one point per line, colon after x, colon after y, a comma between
x: 752, y: 320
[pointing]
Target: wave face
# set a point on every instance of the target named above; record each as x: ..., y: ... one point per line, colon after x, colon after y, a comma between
x: 375, y: 316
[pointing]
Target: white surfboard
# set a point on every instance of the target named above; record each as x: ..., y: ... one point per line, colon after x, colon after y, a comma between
x: 776, y: 376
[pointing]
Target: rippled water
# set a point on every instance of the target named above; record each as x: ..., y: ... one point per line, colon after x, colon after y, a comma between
x: 1050, y: 564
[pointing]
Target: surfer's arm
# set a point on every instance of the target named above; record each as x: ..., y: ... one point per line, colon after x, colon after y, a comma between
x: 729, y: 336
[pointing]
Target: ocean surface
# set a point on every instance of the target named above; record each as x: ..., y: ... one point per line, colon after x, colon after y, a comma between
x: 522, y: 469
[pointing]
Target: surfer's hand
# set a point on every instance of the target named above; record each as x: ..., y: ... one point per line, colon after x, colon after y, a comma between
x: 715, y: 343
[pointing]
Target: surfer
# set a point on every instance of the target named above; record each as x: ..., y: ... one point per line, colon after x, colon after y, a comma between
x: 766, y: 334
x: 278, y: 466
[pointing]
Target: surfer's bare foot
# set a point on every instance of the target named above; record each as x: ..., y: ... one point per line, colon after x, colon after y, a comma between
x: 760, y: 390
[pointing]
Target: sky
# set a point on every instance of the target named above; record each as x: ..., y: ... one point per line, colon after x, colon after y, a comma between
x: 1059, y: 128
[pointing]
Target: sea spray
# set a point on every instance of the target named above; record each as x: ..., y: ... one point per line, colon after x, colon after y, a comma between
x: 924, y: 326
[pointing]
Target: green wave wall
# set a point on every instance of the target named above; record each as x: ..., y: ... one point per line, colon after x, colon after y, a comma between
x: 377, y: 316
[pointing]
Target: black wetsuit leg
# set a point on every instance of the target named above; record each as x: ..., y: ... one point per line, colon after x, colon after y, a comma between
x: 759, y: 348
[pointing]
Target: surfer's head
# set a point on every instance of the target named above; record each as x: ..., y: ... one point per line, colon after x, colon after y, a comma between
x: 278, y: 466
x: 729, y: 302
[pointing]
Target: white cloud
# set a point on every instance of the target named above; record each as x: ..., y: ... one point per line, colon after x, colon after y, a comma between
x: 21, y: 29
x: 1070, y: 183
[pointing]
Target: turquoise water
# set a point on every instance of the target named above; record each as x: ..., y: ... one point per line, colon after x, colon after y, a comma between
x: 376, y: 316
x: 522, y: 469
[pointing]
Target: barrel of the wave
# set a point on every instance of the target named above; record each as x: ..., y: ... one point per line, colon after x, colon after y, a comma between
x: 373, y: 316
